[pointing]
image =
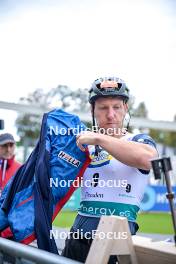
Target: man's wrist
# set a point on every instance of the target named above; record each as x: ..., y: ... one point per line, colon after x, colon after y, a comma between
x: 102, y: 140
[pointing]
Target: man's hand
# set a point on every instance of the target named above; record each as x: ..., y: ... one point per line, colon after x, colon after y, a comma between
x: 87, y: 137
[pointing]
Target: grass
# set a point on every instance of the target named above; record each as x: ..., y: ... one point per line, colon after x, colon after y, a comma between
x: 160, y: 223
x: 65, y: 219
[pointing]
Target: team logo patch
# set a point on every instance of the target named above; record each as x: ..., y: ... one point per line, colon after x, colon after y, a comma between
x: 102, y: 159
x: 69, y: 159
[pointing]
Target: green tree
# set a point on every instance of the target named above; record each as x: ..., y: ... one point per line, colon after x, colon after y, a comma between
x: 167, y: 138
x: 28, y: 125
x: 140, y: 110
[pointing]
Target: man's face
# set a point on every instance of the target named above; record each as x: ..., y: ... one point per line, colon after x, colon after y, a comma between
x: 110, y: 112
x: 7, y: 150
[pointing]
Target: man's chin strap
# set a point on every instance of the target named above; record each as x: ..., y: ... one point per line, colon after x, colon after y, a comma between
x: 128, y: 123
x: 97, y: 148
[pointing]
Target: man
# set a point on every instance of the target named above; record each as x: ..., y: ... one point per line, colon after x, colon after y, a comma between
x: 8, y: 163
x: 8, y: 166
x: 123, y: 159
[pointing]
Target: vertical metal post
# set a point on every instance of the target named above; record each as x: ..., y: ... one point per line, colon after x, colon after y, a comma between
x: 163, y: 165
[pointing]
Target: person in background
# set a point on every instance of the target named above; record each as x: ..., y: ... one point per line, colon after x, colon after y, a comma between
x: 8, y: 166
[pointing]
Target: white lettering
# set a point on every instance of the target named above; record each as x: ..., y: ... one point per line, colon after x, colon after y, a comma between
x: 161, y: 198
x: 124, y: 183
x: 108, y: 183
x: 54, y: 233
x: 101, y: 235
x: 109, y: 235
x: 101, y: 183
x: 103, y: 211
x: 111, y: 212
x: 124, y: 235
x: 64, y: 183
x: 53, y: 129
x: 64, y: 131
x: 53, y: 182
x: 90, y: 209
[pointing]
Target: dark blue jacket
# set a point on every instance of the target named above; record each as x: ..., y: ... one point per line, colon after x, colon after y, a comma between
x: 33, y: 198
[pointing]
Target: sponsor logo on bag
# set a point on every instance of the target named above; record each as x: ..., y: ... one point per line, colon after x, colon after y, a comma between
x: 69, y: 159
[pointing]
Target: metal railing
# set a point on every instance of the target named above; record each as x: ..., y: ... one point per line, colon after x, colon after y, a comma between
x: 21, y: 253
x: 135, y: 121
